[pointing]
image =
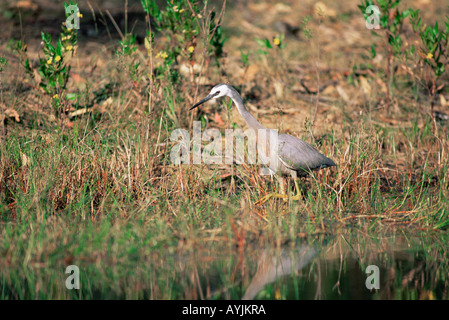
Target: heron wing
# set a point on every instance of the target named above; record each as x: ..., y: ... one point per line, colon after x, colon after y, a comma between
x: 298, y: 155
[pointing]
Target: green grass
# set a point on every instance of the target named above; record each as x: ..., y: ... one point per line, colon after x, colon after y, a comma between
x: 98, y: 190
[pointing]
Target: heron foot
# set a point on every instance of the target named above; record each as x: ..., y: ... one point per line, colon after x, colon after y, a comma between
x: 271, y: 195
x: 282, y: 196
x: 296, y: 197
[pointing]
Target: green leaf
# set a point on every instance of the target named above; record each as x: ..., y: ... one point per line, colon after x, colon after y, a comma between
x: 59, y: 48
x: 373, y: 51
x: 440, y: 69
x: 245, y: 58
x: 71, y: 96
x: 268, y: 44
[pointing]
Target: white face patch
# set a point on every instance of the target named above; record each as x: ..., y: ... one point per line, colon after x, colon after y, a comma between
x: 219, y: 91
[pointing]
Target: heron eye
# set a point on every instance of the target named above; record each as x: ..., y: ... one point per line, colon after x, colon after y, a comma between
x: 217, y: 93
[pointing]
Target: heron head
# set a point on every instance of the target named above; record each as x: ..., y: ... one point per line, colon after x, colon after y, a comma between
x: 220, y: 90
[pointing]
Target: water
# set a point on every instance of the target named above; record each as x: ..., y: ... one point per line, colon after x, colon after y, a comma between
x: 409, y: 267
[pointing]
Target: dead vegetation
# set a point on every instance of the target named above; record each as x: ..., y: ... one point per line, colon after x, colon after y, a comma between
x: 108, y: 156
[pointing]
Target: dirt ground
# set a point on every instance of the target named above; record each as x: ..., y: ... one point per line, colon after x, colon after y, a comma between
x: 339, y: 41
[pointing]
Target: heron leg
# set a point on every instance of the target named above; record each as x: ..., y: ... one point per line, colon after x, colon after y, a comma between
x: 298, y: 195
x: 275, y: 195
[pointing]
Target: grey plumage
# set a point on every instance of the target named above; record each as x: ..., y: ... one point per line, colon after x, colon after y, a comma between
x: 300, y: 157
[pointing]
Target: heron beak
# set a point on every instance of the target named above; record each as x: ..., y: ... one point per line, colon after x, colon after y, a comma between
x: 210, y: 96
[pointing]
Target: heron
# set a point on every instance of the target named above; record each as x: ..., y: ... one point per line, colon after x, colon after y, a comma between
x: 296, y: 157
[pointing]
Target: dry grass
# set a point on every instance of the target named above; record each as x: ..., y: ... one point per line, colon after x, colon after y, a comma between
x: 110, y: 164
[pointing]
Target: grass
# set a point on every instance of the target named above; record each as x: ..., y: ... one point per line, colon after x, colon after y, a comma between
x: 99, y: 190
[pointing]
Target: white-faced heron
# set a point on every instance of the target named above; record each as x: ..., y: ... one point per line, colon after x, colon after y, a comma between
x: 296, y: 157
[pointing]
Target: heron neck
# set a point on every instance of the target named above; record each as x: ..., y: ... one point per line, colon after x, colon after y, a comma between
x: 248, y: 117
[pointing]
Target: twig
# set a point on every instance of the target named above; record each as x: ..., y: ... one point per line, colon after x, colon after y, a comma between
x: 115, y: 24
